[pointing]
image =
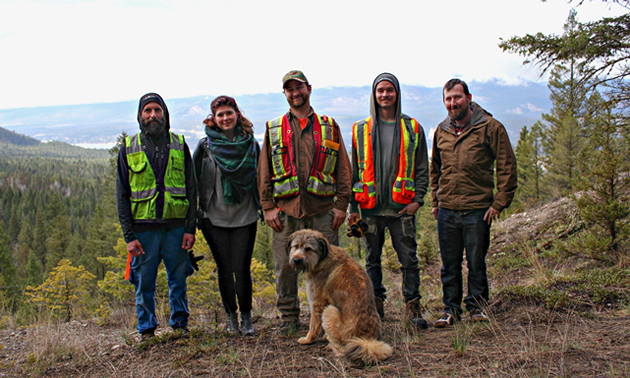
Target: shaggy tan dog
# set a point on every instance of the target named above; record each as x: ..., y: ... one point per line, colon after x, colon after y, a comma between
x: 340, y: 297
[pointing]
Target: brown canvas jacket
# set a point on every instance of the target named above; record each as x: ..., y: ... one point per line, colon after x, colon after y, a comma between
x: 462, y: 168
x: 305, y: 204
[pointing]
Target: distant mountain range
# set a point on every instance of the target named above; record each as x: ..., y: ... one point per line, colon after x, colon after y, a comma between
x: 93, y: 124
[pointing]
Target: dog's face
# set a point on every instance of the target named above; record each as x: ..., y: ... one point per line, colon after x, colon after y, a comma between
x: 306, y: 249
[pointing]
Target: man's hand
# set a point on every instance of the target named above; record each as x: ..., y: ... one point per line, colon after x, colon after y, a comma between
x: 271, y: 217
x: 135, y: 248
x: 340, y: 216
x: 410, y: 209
x: 188, y: 241
x: 491, y: 215
x: 352, y: 218
x: 434, y: 211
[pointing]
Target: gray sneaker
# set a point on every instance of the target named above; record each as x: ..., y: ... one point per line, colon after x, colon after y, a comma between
x: 447, y: 319
x: 477, y: 315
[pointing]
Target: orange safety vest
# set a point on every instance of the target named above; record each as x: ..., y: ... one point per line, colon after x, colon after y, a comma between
x: 321, y: 180
x: 404, y: 188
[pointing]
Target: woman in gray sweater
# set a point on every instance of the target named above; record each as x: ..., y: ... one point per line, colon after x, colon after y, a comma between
x: 225, y: 167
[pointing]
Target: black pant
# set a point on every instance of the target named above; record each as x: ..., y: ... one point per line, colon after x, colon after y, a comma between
x: 232, y: 250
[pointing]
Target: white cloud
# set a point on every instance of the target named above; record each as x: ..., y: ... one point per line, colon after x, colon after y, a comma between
x: 56, y: 52
x: 516, y: 110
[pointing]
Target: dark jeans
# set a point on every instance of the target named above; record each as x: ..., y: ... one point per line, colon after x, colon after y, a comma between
x: 403, y: 233
x: 232, y: 250
x: 459, y: 230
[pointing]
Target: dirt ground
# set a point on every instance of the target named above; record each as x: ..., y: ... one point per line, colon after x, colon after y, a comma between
x: 520, y: 340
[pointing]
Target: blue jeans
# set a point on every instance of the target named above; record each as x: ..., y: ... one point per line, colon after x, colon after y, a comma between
x: 459, y: 230
x: 165, y: 244
x: 403, y: 232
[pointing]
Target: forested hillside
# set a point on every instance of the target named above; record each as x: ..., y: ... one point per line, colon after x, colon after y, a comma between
x: 52, y: 202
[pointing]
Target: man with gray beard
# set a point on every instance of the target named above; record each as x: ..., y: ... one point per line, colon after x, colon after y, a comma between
x: 157, y: 200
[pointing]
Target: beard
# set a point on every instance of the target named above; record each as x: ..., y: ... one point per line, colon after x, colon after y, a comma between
x: 154, y: 128
x: 459, y: 113
x: 299, y: 101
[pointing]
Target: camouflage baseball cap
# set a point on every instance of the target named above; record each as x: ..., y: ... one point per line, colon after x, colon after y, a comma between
x: 294, y: 75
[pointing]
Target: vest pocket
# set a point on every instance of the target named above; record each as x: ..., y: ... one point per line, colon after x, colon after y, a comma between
x: 175, y: 206
x: 177, y: 169
x: 144, y: 208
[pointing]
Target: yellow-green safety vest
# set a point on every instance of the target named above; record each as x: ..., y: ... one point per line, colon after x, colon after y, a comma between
x: 144, y: 186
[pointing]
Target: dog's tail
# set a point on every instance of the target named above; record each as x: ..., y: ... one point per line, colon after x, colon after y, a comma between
x: 367, y: 351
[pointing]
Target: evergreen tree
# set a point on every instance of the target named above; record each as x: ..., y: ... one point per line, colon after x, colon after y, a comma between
x: 7, y: 204
x: 529, y: 157
x: 601, y: 47
x: 604, y: 204
x: 566, y: 129
x: 39, y: 238
x: 101, y: 239
x: 59, y: 237
x: 14, y: 224
x: 34, y: 270
x: 7, y: 269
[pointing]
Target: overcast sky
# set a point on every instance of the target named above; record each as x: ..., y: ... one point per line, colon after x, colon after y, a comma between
x: 58, y: 52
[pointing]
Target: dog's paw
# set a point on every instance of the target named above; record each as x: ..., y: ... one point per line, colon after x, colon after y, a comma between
x: 305, y: 340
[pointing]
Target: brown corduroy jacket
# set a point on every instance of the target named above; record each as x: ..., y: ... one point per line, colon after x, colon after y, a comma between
x: 462, y: 168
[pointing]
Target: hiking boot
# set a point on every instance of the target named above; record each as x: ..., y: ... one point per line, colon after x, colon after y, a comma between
x: 447, y: 319
x: 477, y: 315
x: 413, y: 309
x: 232, y: 324
x: 181, y: 329
x: 147, y: 335
x: 246, y: 324
x: 289, y: 326
x: 380, y: 308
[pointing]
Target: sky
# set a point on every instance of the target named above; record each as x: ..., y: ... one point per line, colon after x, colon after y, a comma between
x: 62, y: 52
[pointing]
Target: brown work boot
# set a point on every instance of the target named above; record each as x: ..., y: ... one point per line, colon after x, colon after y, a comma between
x: 380, y: 306
x: 413, y: 310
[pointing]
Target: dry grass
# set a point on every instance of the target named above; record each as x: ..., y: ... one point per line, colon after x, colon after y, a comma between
x: 523, y: 338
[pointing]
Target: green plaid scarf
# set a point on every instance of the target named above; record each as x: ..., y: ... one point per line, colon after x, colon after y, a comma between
x: 237, y: 162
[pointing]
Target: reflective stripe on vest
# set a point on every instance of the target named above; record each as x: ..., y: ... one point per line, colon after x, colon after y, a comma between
x: 364, y: 190
x: 321, y: 178
x: 403, y: 189
x: 144, y: 186
x: 284, y: 178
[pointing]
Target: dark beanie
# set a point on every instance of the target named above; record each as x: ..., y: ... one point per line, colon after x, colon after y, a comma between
x: 153, y: 97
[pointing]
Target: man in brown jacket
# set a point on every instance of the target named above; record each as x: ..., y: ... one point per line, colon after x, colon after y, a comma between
x: 304, y: 182
x: 467, y: 146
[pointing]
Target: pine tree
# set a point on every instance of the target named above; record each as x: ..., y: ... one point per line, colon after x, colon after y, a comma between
x: 64, y: 291
x: 14, y: 224
x: 59, y: 237
x: 100, y: 241
x: 39, y: 238
x: 7, y: 204
x: 529, y: 162
x: 34, y: 270
x: 566, y: 129
x: 7, y: 269
x: 604, y: 204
